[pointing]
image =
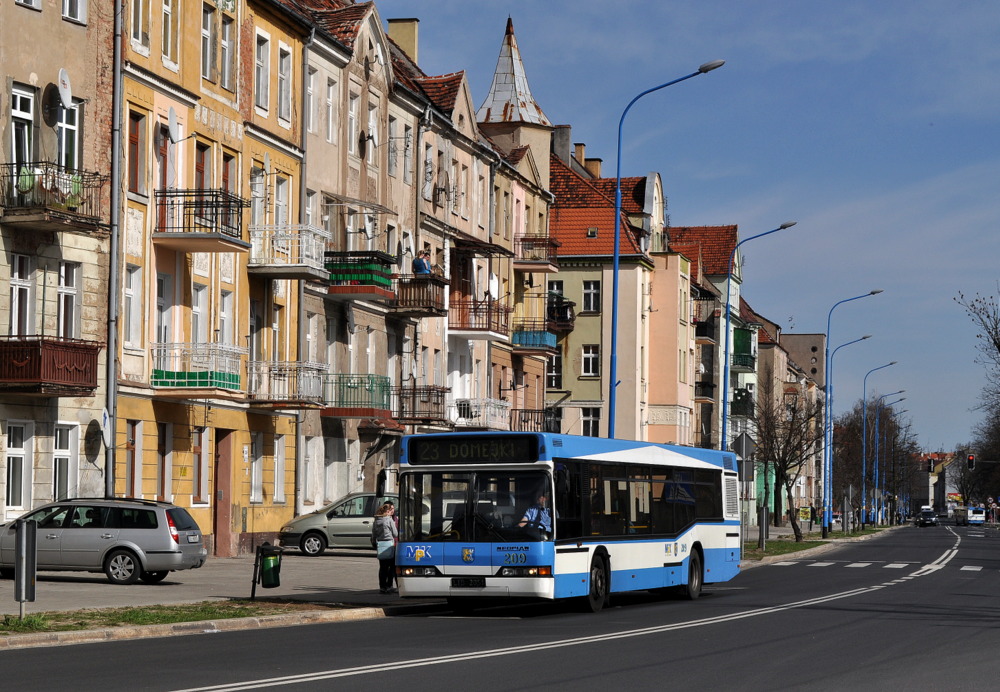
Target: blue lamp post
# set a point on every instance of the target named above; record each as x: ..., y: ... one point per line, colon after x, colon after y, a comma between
x: 613, y: 374
x: 877, y: 496
x: 864, y: 443
x: 827, y: 422
x: 724, y: 441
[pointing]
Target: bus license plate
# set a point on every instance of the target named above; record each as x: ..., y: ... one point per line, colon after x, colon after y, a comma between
x: 468, y: 582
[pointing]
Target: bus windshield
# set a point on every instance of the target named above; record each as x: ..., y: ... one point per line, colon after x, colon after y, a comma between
x: 482, y: 506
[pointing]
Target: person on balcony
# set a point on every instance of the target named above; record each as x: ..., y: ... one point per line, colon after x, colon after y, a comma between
x: 422, y: 263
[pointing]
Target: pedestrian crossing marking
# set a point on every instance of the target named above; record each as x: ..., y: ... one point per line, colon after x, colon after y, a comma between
x: 971, y: 568
x: 820, y: 564
x: 860, y: 564
x: 897, y: 565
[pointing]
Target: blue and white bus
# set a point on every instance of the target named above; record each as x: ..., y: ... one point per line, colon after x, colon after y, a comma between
x: 628, y: 516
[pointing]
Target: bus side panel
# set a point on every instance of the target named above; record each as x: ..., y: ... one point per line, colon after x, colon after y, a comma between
x: 572, y: 570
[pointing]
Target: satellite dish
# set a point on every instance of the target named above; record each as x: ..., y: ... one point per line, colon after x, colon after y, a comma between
x: 172, y: 126
x: 65, y: 89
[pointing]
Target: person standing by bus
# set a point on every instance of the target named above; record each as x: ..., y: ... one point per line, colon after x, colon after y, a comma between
x: 385, y: 535
x: 539, y: 517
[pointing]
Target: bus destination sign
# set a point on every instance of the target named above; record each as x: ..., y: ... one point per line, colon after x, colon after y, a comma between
x: 485, y: 449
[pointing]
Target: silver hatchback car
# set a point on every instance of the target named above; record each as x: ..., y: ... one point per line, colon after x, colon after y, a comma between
x: 127, y: 539
x: 347, y: 523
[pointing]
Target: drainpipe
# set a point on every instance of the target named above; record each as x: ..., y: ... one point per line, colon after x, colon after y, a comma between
x: 111, y: 385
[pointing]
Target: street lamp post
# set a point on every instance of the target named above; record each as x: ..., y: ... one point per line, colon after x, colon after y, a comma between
x: 829, y: 378
x: 724, y: 442
x: 864, y: 443
x: 613, y: 374
x: 877, y: 498
x: 827, y: 423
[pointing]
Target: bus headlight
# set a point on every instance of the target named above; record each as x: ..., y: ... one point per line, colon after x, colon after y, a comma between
x: 525, y: 572
x: 427, y: 571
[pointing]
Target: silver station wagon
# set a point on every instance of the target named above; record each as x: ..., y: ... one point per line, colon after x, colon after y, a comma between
x: 127, y: 539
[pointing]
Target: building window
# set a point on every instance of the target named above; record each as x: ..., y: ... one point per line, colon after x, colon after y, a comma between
x: 281, y: 186
x: 22, y: 114
x: 261, y: 74
x: 371, y: 145
x: 132, y: 306
x: 428, y: 182
x: 133, y: 458
x: 591, y: 296
x: 311, y: 100
x: 279, y: 468
x: 199, y: 453
x: 257, y: 467
x: 18, y: 461
x: 208, y: 43
x: 331, y: 111
x: 75, y: 10
x: 64, y: 461
x: 257, y: 193
x: 591, y: 366
x: 136, y: 152
x: 168, y: 38
x: 352, y: 123
x: 553, y: 372
x: 590, y: 420
x: 21, y: 296
x: 35, y: 4
x: 407, y: 154
x: 140, y: 22
x: 227, y: 52
x: 199, y: 314
x: 226, y: 318
x: 393, y: 146
x: 284, y: 84
x: 68, y: 308
x: 68, y: 137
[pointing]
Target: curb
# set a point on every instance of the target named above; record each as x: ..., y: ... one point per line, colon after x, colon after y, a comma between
x: 311, y: 617
x: 808, y: 552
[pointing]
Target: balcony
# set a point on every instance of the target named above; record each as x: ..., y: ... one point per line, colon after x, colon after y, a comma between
x: 705, y: 333
x: 197, y: 371
x: 356, y: 396
x: 532, y: 336
x: 44, y: 196
x: 420, y: 404
x: 536, y: 253
x: 360, y: 275
x: 743, y: 362
x: 285, y: 385
x: 420, y: 295
x: 200, y: 221
x: 288, y: 252
x: 704, y: 392
x: 742, y: 404
x: 534, y: 420
x: 48, y: 366
x: 485, y: 320
x: 479, y: 414
x: 560, y: 313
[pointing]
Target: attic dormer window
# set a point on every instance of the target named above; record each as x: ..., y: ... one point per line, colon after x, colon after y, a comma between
x: 592, y: 232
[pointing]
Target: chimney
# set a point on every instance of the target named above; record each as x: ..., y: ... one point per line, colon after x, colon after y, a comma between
x: 560, y: 142
x: 404, y: 33
x: 578, y: 149
x: 593, y: 166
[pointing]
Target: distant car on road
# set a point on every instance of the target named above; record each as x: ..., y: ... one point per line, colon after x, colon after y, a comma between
x: 346, y: 523
x: 127, y: 539
x: 927, y: 517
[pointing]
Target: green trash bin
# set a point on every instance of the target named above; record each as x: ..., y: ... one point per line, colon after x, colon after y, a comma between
x: 270, y: 566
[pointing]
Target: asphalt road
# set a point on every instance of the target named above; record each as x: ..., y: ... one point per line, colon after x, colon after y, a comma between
x: 911, y: 609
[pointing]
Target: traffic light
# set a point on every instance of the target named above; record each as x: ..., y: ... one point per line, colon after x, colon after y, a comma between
x: 972, y: 461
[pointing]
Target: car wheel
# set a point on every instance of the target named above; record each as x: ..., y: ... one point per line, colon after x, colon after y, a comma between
x: 153, y: 577
x: 312, y: 544
x: 122, y: 567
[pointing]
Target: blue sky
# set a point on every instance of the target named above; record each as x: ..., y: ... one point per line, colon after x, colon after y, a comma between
x: 874, y: 125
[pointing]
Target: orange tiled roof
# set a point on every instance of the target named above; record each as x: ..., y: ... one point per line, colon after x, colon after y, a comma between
x: 442, y: 90
x: 716, y: 242
x: 633, y: 192
x: 578, y: 207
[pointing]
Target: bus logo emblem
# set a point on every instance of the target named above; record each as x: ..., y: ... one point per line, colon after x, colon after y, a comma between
x: 468, y: 554
x: 418, y: 552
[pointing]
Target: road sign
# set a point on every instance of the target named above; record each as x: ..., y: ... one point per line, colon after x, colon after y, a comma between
x: 744, y: 446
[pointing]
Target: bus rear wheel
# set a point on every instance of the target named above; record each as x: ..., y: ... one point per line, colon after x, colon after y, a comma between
x: 692, y: 589
x: 597, y: 593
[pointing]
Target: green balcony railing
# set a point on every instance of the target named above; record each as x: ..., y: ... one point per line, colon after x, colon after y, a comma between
x: 357, y: 391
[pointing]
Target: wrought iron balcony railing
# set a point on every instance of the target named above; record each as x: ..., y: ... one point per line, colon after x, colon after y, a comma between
x: 560, y: 313
x: 536, y: 252
x: 200, y: 220
x: 420, y: 295
x: 197, y: 366
x: 420, y: 404
x: 47, y: 196
x: 533, y: 335
x: 48, y: 366
x: 742, y: 403
x: 484, y: 316
x: 534, y: 420
x: 704, y: 390
x: 288, y: 252
x: 357, y: 396
x: 295, y: 384
x: 743, y: 362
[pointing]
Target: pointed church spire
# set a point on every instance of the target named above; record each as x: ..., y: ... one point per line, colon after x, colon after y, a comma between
x: 510, y: 99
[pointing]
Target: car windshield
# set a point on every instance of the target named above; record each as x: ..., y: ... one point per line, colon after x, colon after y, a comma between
x: 486, y: 506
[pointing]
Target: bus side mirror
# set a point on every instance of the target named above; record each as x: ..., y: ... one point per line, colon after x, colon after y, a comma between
x: 380, y: 483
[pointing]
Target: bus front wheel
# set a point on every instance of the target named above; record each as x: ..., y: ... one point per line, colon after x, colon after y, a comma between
x: 597, y: 593
x: 692, y: 589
